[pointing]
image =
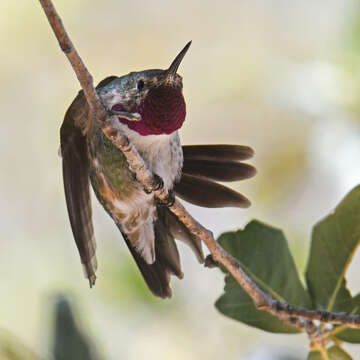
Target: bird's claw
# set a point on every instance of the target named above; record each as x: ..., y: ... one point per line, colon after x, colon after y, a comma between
x: 158, y: 182
x: 210, y: 262
x: 169, y: 201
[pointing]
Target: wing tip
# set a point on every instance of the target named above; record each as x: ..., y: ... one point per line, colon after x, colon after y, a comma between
x: 179, y: 275
x: 164, y: 293
x: 92, y: 280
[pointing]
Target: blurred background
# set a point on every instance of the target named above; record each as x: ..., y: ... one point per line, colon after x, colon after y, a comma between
x: 280, y: 76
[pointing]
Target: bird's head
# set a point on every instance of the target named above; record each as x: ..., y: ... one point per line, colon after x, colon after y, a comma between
x: 155, y: 94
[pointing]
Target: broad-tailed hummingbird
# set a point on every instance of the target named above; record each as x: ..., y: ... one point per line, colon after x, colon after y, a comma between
x: 149, y: 228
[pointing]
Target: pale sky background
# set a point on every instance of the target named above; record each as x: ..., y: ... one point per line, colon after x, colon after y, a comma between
x: 280, y: 76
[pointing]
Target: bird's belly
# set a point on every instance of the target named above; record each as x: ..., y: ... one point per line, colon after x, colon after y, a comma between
x: 161, y: 153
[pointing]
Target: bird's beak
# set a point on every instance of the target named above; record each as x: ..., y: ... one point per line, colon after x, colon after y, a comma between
x: 171, y: 71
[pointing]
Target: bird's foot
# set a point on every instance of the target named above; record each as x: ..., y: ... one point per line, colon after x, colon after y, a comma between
x: 157, y: 184
x: 170, y: 200
x: 210, y: 262
x: 133, y: 176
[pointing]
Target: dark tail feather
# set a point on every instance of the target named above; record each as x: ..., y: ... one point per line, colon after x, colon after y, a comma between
x: 218, y: 170
x: 180, y: 232
x: 217, y: 152
x: 167, y: 251
x: 206, y: 193
x: 157, y: 275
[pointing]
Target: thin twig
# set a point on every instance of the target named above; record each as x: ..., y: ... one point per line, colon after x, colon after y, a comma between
x: 82, y: 73
x: 297, y: 317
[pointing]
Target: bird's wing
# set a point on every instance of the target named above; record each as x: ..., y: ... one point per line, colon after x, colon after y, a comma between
x: 75, y: 163
x: 206, y: 164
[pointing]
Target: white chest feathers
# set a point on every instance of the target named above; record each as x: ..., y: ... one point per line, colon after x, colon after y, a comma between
x: 162, y: 154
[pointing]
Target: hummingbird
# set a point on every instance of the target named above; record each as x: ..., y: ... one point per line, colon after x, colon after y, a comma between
x: 154, y: 98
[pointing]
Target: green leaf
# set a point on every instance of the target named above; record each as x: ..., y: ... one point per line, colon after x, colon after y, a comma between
x: 345, y: 333
x: 264, y: 254
x: 337, y: 353
x: 237, y: 304
x: 333, y: 245
x: 315, y: 355
x: 333, y: 353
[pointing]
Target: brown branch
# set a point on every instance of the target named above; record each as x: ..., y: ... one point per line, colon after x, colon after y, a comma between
x: 297, y: 317
x: 82, y: 73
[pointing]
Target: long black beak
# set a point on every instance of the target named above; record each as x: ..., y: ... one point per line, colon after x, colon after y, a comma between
x: 175, y: 64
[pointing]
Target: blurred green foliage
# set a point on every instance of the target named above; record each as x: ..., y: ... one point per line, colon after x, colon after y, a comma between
x: 333, y: 353
x: 12, y: 348
x: 69, y: 341
x: 124, y: 284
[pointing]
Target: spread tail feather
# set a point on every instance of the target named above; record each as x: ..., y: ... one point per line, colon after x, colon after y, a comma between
x: 206, y: 193
x: 156, y: 275
x: 217, y: 152
x: 167, y: 250
x: 218, y: 170
x: 180, y: 232
x: 206, y: 164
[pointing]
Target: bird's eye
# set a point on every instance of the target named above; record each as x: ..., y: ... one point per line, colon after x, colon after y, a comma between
x: 140, y: 85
